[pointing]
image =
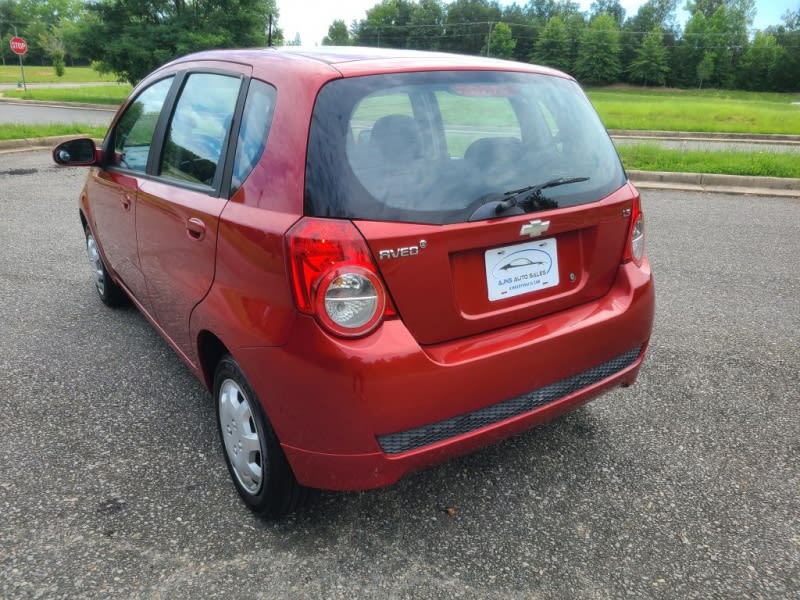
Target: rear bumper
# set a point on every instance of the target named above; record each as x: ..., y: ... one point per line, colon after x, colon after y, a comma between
x: 359, y: 414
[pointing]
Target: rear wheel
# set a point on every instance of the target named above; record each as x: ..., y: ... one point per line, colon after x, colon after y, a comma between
x: 110, y: 293
x: 258, y: 467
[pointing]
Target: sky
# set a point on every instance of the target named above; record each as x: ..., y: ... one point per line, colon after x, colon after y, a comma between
x: 311, y: 18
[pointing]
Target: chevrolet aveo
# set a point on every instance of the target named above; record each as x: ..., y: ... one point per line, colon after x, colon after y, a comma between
x: 375, y: 260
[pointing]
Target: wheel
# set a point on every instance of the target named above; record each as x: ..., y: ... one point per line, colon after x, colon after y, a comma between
x: 110, y: 293
x: 257, y: 464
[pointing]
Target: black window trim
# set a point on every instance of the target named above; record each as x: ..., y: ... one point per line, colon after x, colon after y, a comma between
x: 233, y: 138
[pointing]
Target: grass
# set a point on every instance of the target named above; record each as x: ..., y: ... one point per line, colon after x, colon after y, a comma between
x: 15, y: 131
x: 36, y: 74
x: 697, y: 110
x: 651, y: 157
x: 112, y: 94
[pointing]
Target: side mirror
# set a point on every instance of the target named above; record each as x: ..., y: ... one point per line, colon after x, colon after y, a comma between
x: 77, y: 153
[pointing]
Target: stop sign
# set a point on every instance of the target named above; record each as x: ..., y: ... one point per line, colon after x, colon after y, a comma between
x: 18, y: 45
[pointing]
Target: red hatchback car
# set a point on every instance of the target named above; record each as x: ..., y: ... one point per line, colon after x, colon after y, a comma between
x: 374, y: 259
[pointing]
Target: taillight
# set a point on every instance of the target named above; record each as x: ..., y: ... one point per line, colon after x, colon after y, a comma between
x: 334, y: 277
x: 634, y: 248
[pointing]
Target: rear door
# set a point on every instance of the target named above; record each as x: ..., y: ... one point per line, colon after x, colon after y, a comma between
x: 179, y: 208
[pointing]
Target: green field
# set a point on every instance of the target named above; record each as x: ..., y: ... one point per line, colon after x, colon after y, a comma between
x: 697, y: 110
x: 112, y: 94
x: 21, y: 132
x: 650, y: 157
x: 36, y: 74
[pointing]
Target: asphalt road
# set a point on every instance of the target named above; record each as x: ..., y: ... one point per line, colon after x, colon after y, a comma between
x: 15, y: 86
x: 686, y: 485
x: 11, y: 112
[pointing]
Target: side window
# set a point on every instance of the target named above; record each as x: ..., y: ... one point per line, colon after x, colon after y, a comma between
x: 549, y: 119
x: 134, y: 132
x: 253, y: 131
x: 199, y: 127
x: 385, y: 145
x: 372, y: 108
x: 470, y: 117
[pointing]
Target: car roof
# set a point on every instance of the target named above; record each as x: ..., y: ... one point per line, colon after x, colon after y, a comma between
x: 355, y: 60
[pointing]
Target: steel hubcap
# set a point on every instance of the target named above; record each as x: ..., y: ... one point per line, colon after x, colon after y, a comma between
x: 96, y: 263
x: 240, y: 436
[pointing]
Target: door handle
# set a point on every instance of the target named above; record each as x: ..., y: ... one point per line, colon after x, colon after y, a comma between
x: 195, y: 228
x: 126, y: 201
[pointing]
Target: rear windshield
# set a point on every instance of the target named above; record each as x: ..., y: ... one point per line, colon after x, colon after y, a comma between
x: 431, y: 147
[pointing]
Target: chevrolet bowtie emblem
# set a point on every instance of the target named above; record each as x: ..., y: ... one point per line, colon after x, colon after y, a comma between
x: 534, y: 228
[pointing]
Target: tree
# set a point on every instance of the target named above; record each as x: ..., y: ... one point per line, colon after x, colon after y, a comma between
x: 655, y: 13
x: 718, y: 29
x: 575, y: 24
x: 651, y: 64
x: 468, y: 23
x: 37, y: 21
x: 553, y: 47
x: 787, y: 74
x: 53, y: 45
x: 524, y: 29
x: 651, y: 14
x: 426, y: 25
x: 337, y: 35
x: 598, y: 53
x: 760, y: 66
x: 130, y: 39
x: 609, y: 7
x: 705, y: 67
x: 8, y: 17
x: 726, y: 38
x: 746, y: 8
x: 499, y: 43
x: 386, y: 25
x: 690, y: 51
x: 706, y: 7
x: 544, y: 10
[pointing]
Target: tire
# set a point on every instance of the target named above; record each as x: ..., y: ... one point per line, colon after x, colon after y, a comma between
x: 110, y: 293
x: 256, y: 462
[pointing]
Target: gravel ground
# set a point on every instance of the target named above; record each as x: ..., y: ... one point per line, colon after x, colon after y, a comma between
x: 686, y: 485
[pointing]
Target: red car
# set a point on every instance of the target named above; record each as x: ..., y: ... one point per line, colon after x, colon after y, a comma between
x: 374, y: 259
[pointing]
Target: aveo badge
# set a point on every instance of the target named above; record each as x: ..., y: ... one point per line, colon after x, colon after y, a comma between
x: 521, y: 269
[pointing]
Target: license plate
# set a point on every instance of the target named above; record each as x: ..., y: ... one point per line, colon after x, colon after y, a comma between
x: 521, y: 269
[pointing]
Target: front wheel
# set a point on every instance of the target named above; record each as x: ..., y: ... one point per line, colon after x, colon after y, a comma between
x: 110, y: 293
x: 258, y: 467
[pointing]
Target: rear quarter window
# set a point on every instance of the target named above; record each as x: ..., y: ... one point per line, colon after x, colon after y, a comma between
x: 253, y: 131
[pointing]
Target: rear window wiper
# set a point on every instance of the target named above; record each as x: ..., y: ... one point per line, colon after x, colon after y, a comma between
x: 530, y: 197
x: 522, y: 200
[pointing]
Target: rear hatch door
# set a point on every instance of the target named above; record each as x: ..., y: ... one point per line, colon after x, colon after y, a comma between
x: 458, y: 280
